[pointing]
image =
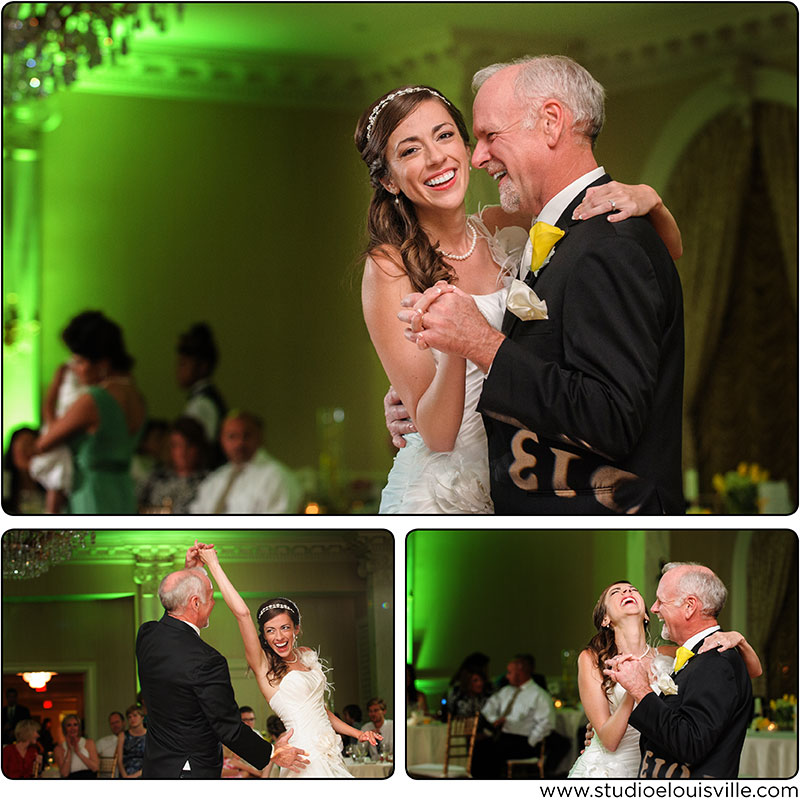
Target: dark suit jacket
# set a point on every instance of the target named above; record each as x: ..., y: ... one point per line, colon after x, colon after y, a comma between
x: 583, y: 410
x: 698, y: 732
x: 190, y: 704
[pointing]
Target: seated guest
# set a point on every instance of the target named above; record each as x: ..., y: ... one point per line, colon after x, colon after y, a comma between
x: 46, y: 742
x: 76, y: 756
x: 22, y: 758
x: 130, y: 744
x: 102, y: 426
x: 469, y: 693
x: 352, y: 715
x: 275, y: 728
x: 197, y: 360
x: 22, y: 494
x: 172, y: 487
x: 232, y: 765
x: 106, y: 746
x: 376, y: 711
x: 415, y: 699
x: 252, y: 482
x: 522, y: 714
x: 152, y: 452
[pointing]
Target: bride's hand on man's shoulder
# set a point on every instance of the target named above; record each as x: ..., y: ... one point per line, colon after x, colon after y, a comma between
x: 721, y: 640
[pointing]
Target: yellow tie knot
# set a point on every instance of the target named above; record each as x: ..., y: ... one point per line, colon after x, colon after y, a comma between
x: 682, y: 655
x: 543, y: 239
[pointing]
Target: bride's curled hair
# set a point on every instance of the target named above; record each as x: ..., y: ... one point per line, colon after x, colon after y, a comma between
x: 391, y: 223
x: 276, y: 666
x: 603, y: 645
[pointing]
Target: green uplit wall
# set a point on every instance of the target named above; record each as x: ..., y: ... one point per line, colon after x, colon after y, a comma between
x: 163, y: 213
x: 504, y: 592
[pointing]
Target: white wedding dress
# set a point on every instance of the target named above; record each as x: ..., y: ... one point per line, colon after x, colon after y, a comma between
x: 596, y: 761
x: 457, y: 482
x: 300, y: 703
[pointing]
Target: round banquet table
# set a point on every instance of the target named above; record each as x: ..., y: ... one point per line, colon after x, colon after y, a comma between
x: 370, y: 769
x: 769, y: 755
x: 426, y: 743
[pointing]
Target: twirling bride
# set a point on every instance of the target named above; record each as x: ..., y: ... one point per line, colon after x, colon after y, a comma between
x: 290, y: 677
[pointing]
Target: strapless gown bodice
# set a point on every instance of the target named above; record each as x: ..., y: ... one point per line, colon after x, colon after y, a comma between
x: 300, y: 703
x: 598, y: 762
x: 456, y: 482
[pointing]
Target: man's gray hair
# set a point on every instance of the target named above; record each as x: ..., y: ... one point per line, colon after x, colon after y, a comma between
x: 542, y: 77
x: 701, y: 582
x: 177, y: 588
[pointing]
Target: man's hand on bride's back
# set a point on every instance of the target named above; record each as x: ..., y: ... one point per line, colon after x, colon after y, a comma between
x: 398, y: 421
x: 286, y: 756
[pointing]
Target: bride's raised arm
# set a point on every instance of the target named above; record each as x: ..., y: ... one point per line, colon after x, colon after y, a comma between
x: 252, y: 648
x: 609, y: 727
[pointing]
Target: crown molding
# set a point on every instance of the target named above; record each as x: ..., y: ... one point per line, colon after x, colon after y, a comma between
x: 761, y: 33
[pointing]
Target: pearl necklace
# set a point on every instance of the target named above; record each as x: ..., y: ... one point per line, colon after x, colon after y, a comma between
x: 296, y: 656
x: 646, y: 651
x: 469, y: 252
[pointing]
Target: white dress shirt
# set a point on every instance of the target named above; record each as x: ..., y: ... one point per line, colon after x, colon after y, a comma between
x: 387, y: 731
x: 555, y: 207
x: 532, y: 715
x: 265, y: 486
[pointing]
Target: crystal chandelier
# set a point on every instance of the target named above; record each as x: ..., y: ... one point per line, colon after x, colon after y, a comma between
x: 44, y: 44
x: 29, y: 554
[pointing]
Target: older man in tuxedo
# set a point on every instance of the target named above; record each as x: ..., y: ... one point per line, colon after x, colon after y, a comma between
x: 582, y: 399
x: 187, y: 689
x: 696, y: 727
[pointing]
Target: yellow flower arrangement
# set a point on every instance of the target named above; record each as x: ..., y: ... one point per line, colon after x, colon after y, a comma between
x: 739, y: 488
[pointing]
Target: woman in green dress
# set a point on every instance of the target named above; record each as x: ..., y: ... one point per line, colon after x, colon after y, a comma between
x: 103, y: 425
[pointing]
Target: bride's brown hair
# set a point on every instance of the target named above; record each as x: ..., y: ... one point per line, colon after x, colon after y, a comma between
x: 603, y: 645
x: 395, y: 223
x: 276, y: 666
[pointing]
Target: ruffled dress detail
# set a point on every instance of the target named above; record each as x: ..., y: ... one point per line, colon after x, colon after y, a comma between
x: 300, y: 703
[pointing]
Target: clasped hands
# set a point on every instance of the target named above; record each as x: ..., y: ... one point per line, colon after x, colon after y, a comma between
x: 199, y: 554
x: 631, y: 673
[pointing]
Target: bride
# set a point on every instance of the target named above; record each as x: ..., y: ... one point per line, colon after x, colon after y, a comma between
x: 620, y: 617
x: 416, y: 146
x: 291, y: 678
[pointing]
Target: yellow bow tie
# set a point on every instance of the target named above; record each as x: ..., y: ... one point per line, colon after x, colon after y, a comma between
x: 543, y: 239
x: 682, y: 655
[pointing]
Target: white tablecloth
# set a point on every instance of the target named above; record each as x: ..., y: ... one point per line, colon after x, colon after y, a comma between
x: 769, y: 755
x: 372, y: 769
x: 425, y: 744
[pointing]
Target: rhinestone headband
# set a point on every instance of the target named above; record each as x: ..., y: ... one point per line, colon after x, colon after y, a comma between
x: 278, y: 605
x: 389, y: 97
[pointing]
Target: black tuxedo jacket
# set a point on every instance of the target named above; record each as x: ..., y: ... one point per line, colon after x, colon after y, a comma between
x: 190, y: 704
x: 698, y: 732
x: 583, y: 409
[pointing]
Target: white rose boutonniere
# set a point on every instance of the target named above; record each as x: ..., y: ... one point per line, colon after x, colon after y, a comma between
x: 524, y: 303
x: 666, y: 685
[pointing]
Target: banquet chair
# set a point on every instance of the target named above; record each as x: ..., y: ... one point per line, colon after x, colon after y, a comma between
x: 458, y: 751
x: 535, y: 761
x: 107, y: 768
